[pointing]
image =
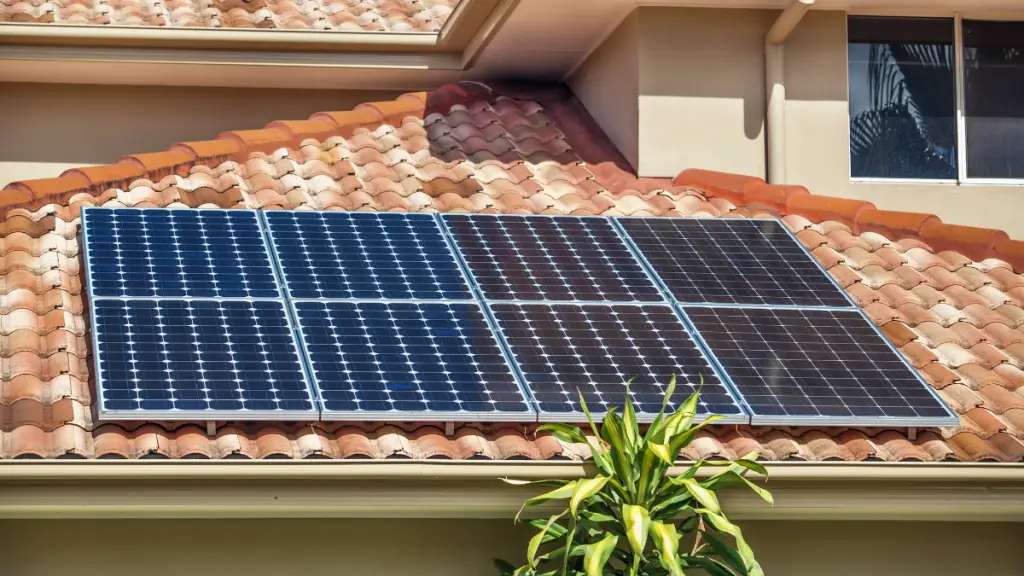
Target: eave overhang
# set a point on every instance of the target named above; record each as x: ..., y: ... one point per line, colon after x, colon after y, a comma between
x: 106, y: 54
x: 438, y: 489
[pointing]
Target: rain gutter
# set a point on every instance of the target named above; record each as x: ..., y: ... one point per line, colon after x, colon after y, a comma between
x: 472, y: 489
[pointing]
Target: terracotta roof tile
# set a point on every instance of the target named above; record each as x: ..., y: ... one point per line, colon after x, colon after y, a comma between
x: 340, y: 15
x: 467, y: 147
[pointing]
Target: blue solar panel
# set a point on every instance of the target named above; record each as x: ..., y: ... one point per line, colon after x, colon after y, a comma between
x: 732, y: 261
x: 401, y: 359
x: 563, y: 350
x: 816, y: 365
x: 555, y: 258
x: 177, y: 253
x: 197, y: 358
x: 365, y: 255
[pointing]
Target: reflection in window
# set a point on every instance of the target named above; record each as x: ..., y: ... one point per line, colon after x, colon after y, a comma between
x: 902, y: 98
x: 994, y: 98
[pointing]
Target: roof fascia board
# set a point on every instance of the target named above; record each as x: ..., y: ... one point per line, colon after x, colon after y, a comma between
x: 486, y: 31
x: 214, y: 38
x: 416, y: 61
x: 465, y: 21
x: 216, y: 489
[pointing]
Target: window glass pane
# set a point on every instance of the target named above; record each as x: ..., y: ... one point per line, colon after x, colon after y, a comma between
x: 902, y: 98
x: 994, y: 98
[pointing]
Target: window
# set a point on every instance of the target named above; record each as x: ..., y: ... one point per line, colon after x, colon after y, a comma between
x: 902, y: 98
x: 994, y: 98
x: 904, y: 85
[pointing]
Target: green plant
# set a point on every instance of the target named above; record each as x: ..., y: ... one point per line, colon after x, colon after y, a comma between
x: 632, y: 517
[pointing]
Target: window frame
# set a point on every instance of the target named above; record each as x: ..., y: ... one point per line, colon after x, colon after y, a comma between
x: 958, y: 80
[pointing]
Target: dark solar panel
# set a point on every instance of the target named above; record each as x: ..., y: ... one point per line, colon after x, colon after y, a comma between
x: 197, y: 356
x: 732, y: 261
x: 564, y: 349
x: 365, y: 255
x: 174, y: 253
x: 430, y: 359
x: 561, y: 258
x: 814, y: 363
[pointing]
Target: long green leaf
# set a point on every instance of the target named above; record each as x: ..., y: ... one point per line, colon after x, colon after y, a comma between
x: 564, y: 432
x: 661, y: 451
x: 669, y: 507
x: 723, y: 525
x: 659, y: 421
x: 706, y: 497
x: 612, y: 432
x: 666, y: 540
x: 555, y: 531
x: 570, y: 538
x: 585, y: 489
x: 597, y: 555
x: 629, y: 423
x: 683, y: 439
x: 727, y: 553
x: 556, y: 494
x: 586, y: 411
x: 652, y: 470
x: 711, y: 566
x: 682, y: 418
x: 730, y: 478
x: 638, y: 522
x: 538, y: 539
x: 504, y: 568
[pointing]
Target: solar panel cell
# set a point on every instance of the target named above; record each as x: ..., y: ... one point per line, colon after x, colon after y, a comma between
x: 732, y: 261
x: 177, y: 253
x: 394, y: 357
x: 550, y: 258
x: 197, y: 356
x: 365, y: 255
x: 565, y: 349
x: 813, y: 363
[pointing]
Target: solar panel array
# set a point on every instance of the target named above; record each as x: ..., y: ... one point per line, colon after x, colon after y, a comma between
x: 366, y: 316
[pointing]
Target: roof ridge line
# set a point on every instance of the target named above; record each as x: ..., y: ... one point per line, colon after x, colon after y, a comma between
x: 861, y: 216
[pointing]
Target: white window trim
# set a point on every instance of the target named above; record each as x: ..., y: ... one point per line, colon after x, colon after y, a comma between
x: 958, y: 79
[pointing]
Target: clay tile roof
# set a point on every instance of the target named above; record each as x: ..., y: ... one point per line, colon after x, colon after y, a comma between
x: 339, y: 15
x: 951, y: 298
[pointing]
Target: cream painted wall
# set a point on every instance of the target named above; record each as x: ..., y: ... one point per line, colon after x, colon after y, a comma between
x: 701, y: 105
x: 48, y: 128
x: 818, y: 133
x: 702, y: 90
x: 608, y: 83
x: 465, y: 547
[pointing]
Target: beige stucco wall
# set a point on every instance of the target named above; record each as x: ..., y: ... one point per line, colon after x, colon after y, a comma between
x: 700, y: 99
x: 608, y: 84
x: 48, y: 128
x: 702, y: 90
x: 465, y: 547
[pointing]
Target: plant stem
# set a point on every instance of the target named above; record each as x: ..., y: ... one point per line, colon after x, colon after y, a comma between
x: 700, y: 530
x: 634, y: 570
